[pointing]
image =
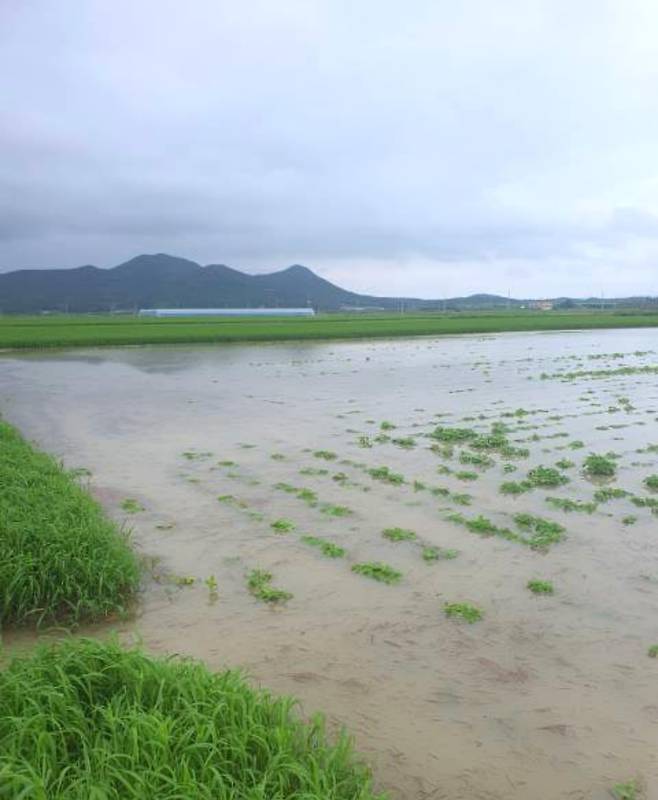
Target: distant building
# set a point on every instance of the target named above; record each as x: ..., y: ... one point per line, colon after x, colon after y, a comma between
x: 226, y: 312
x: 542, y: 305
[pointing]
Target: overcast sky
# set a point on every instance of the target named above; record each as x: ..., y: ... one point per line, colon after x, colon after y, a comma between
x: 426, y: 148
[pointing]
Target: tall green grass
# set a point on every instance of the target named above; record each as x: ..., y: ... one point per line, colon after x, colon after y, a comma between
x: 60, y: 557
x: 90, y: 721
x: 93, y: 330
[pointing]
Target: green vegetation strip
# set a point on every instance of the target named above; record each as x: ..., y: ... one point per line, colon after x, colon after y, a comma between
x: 87, y: 720
x: 60, y: 557
x: 95, y: 330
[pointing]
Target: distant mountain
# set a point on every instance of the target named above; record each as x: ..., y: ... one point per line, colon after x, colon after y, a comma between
x: 163, y: 281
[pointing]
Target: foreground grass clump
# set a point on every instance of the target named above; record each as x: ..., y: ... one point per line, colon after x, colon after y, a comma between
x: 87, y: 720
x: 469, y: 613
x: 60, y: 557
x: 378, y: 571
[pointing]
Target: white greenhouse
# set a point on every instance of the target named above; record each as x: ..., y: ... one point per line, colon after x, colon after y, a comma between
x: 226, y: 312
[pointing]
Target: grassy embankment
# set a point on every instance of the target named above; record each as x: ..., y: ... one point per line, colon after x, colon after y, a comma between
x: 86, y: 720
x: 96, y: 330
x: 61, y: 559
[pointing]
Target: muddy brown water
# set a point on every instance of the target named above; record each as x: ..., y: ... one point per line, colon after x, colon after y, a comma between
x: 546, y: 697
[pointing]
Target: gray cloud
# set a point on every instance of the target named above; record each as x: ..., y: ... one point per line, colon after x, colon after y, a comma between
x: 432, y: 146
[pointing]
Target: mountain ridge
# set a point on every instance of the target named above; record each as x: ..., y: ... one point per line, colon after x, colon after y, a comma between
x: 160, y: 280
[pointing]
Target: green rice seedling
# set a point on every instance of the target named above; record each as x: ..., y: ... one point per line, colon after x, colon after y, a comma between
x: 286, y: 487
x: 340, y: 477
x: 387, y: 426
x: 565, y: 463
x: 652, y: 652
x: 482, y: 526
x: 564, y: 504
x: 61, y: 558
x: 610, y: 493
x: 227, y: 463
x: 630, y: 519
x: 118, y: 724
x: 398, y: 534
x: 452, y: 435
x: 378, y: 572
x: 327, y: 548
x: 165, y: 526
x: 313, y: 471
x: 364, y: 441
x: 308, y: 496
x: 546, y: 477
x: 464, y: 611
x: 461, y: 499
x: 475, y: 459
x: 466, y: 475
x: 651, y: 482
x: 184, y: 580
x: 625, y: 791
x: 442, y: 469
x: 440, y: 491
x: 335, y: 511
x: 645, y: 502
x: 191, y: 455
x: 514, y: 487
x: 489, y: 441
x: 544, y: 532
x: 514, y: 452
x: 259, y: 582
x: 384, y: 474
x: 597, y: 466
x: 577, y: 444
x: 131, y: 506
x: 283, y: 526
x: 419, y: 486
x: 382, y: 438
x: 327, y: 455
x: 278, y: 457
x: 507, y: 468
x: 405, y: 442
x: 443, y: 450
x: 457, y: 517
x: 430, y: 554
x: 540, y: 587
x: 211, y: 584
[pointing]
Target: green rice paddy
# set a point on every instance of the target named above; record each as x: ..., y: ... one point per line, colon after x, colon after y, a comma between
x: 96, y: 330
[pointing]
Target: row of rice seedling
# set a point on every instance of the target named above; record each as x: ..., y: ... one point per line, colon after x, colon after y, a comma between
x: 61, y: 558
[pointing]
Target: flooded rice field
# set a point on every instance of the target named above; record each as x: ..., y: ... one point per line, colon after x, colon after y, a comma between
x: 394, y: 490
